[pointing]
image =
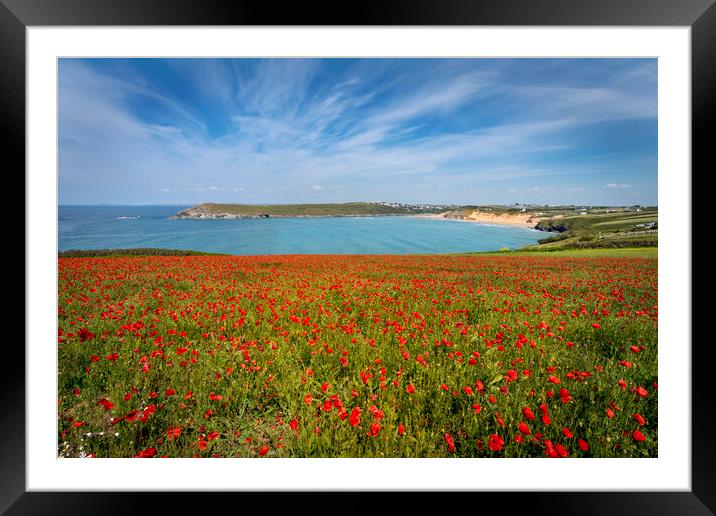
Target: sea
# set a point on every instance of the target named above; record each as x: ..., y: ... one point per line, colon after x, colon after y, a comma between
x: 113, y: 227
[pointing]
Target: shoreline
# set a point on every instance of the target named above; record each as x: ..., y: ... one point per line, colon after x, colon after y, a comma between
x: 483, y: 218
x: 491, y: 219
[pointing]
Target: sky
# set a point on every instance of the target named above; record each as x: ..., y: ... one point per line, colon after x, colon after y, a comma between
x: 440, y: 131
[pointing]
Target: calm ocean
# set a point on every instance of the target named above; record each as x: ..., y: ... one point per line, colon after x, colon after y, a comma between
x: 103, y: 227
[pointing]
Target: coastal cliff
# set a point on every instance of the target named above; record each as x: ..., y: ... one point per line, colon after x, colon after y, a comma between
x: 204, y: 211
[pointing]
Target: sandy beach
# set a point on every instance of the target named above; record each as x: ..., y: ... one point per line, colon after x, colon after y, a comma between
x: 525, y: 220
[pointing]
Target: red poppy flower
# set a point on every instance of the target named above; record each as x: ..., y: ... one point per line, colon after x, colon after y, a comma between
x: 549, y: 449
x: 639, y: 419
x: 146, y: 453
x: 567, y: 433
x: 355, y: 417
x: 307, y: 399
x: 401, y: 429
x: 561, y: 450
x: 263, y: 451
x: 496, y: 442
x: 527, y: 412
x: 374, y: 429
x: 583, y: 445
x: 564, y: 395
x: 641, y: 391
x: 410, y: 389
x: 524, y: 429
x: 638, y: 436
x: 293, y: 424
x: 108, y: 405
x: 450, y: 442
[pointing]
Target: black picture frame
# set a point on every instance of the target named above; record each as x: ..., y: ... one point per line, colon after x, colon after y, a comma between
x: 700, y: 15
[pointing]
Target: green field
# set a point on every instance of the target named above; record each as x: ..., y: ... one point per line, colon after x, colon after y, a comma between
x: 636, y: 252
x: 135, y: 251
x: 599, y: 229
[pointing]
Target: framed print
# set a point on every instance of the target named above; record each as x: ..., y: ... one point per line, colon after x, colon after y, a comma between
x: 414, y: 250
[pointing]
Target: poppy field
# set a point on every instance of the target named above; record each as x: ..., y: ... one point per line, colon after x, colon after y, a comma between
x: 357, y: 356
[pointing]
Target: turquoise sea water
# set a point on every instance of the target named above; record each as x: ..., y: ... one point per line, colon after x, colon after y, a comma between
x: 103, y: 227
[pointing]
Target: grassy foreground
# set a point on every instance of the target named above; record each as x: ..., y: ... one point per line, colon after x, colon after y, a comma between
x: 134, y: 251
x: 358, y: 356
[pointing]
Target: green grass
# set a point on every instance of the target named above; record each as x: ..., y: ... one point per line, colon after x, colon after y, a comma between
x: 135, y: 251
x: 637, y: 252
x: 598, y: 230
x: 628, y: 221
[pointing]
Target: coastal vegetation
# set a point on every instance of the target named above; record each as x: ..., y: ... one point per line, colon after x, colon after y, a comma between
x: 603, y: 228
x: 135, y: 251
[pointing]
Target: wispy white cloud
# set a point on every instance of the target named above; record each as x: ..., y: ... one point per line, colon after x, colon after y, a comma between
x: 282, y: 133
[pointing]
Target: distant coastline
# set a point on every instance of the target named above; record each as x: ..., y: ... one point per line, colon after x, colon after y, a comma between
x: 497, y: 216
x: 350, y: 209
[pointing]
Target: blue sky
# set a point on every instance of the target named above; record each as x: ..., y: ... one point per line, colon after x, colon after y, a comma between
x: 463, y: 131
